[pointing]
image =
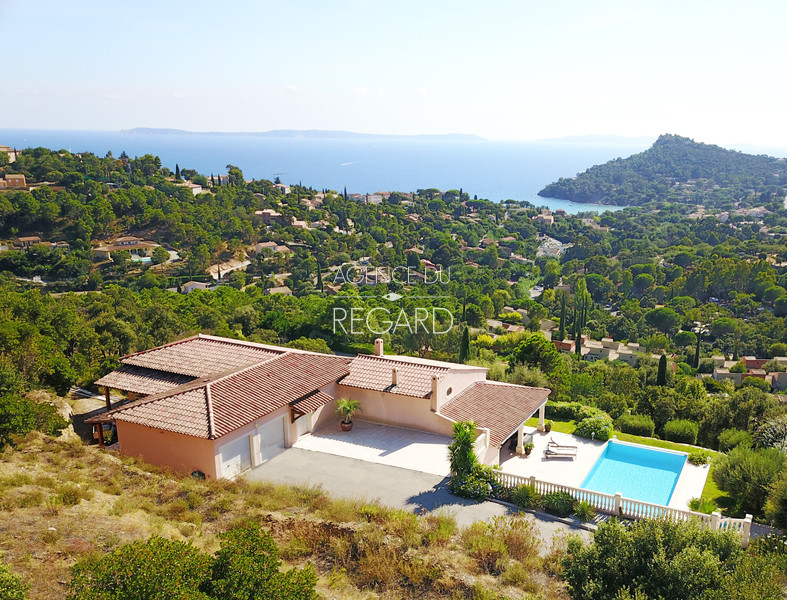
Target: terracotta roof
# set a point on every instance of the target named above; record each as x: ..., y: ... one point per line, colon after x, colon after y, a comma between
x: 312, y: 402
x: 202, y: 356
x: 499, y: 407
x: 212, y: 407
x: 142, y: 381
x: 375, y: 372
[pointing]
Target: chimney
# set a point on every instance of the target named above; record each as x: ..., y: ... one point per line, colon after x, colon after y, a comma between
x: 394, y: 376
x: 433, y: 398
x: 378, y: 347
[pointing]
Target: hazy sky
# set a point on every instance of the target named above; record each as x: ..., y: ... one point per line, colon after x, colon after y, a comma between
x: 522, y: 69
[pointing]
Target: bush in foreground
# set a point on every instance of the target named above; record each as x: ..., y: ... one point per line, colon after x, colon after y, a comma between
x: 732, y: 438
x: 558, y: 503
x: 247, y: 566
x: 11, y: 587
x: 747, y: 475
x: 663, y: 559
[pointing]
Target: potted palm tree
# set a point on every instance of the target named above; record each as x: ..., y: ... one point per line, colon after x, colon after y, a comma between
x: 346, y: 408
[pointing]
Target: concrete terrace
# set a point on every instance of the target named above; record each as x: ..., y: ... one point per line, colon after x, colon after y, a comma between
x: 382, y: 444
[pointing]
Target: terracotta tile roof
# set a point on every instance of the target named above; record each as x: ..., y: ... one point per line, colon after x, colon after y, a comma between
x: 375, y: 372
x: 202, y: 356
x: 312, y: 402
x: 142, y: 381
x: 212, y: 407
x: 499, y: 407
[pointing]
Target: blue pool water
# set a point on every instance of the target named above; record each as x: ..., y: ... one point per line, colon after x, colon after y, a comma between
x: 636, y: 472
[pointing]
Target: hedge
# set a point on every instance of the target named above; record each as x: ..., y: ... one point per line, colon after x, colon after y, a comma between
x: 636, y: 424
x: 598, y: 427
x: 682, y: 431
x: 572, y: 411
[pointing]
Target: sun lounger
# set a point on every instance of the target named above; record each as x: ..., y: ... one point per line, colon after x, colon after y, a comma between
x: 560, y: 453
x: 552, y: 442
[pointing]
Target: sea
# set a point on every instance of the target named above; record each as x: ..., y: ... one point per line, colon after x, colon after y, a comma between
x: 492, y: 170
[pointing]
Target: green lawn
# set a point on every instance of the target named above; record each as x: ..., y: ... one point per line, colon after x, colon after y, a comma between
x: 709, y: 492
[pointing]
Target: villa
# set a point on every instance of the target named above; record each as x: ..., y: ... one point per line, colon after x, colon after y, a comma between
x: 136, y: 246
x: 221, y: 407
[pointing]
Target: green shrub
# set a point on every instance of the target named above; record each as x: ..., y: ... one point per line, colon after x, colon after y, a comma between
x: 682, y: 431
x: 480, y: 483
x: 772, y: 433
x: 584, y: 511
x: 776, y: 506
x: 558, y: 503
x: 748, y: 474
x: 526, y: 496
x: 19, y: 416
x: 11, y: 587
x: 732, y: 438
x: 699, y: 457
x: 637, y: 425
x: 702, y: 505
x: 572, y: 411
x: 599, y: 428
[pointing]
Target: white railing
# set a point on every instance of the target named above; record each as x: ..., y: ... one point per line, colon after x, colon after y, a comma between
x: 627, y: 508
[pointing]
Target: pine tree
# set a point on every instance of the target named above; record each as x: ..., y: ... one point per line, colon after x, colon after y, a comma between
x: 661, y: 377
x: 177, y: 172
x: 696, y: 364
x: 464, y: 347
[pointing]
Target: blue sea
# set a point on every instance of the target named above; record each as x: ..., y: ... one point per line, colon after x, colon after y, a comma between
x: 494, y: 170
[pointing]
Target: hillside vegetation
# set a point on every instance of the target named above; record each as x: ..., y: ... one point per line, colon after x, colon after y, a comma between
x: 676, y: 169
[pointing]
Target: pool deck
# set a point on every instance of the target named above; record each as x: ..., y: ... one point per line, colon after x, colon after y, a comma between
x: 570, y: 472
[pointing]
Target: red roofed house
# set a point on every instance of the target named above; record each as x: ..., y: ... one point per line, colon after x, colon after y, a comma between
x: 223, y: 406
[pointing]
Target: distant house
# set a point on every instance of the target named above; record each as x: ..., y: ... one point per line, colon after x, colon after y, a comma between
x: 10, y: 152
x: 284, y: 189
x: 270, y: 216
x: 299, y: 224
x: 544, y: 219
x: 194, y: 187
x: 190, y: 286
x: 271, y: 247
x: 27, y: 242
x: 13, y: 181
x: 136, y: 246
x: 279, y: 290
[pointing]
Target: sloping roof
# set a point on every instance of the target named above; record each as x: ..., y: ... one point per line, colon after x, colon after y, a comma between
x: 375, y: 373
x: 212, y: 407
x: 202, y: 356
x: 312, y: 402
x: 142, y: 381
x: 499, y: 407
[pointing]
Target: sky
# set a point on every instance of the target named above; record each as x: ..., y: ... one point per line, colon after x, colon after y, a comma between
x: 509, y: 70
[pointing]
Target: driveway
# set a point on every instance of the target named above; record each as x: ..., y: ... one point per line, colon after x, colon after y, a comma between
x: 393, y: 486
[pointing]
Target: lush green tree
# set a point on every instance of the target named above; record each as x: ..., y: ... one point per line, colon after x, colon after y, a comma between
x: 155, y: 569
x: 247, y: 566
x: 159, y: 255
x: 748, y: 474
x: 464, y: 348
x: 460, y: 451
x: 659, y: 559
x: 19, y: 416
x: 661, y: 378
x: 664, y: 319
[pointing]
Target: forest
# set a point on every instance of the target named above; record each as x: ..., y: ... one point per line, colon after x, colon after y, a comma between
x: 680, y: 170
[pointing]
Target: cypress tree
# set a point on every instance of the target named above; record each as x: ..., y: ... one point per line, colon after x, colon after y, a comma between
x: 577, y: 334
x: 696, y: 364
x: 212, y: 181
x: 345, y: 193
x: 464, y: 348
x: 319, y: 277
x: 562, y: 334
x: 177, y: 172
x: 661, y: 377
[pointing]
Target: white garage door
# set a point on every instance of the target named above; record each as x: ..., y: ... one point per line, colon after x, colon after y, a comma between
x: 235, y: 457
x: 271, y: 439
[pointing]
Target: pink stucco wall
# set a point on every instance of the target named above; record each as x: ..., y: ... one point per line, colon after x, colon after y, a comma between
x: 183, y: 453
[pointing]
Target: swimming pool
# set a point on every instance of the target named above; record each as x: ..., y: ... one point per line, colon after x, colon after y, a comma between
x: 636, y: 472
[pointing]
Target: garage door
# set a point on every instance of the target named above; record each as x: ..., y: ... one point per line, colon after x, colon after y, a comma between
x: 271, y: 439
x: 235, y: 457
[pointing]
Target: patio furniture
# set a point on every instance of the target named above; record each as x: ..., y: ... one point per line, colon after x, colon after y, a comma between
x: 552, y: 442
x: 560, y: 452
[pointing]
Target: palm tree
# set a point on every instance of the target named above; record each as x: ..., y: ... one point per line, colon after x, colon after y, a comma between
x: 460, y: 450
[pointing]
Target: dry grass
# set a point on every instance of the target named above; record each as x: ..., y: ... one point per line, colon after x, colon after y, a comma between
x: 61, y: 502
